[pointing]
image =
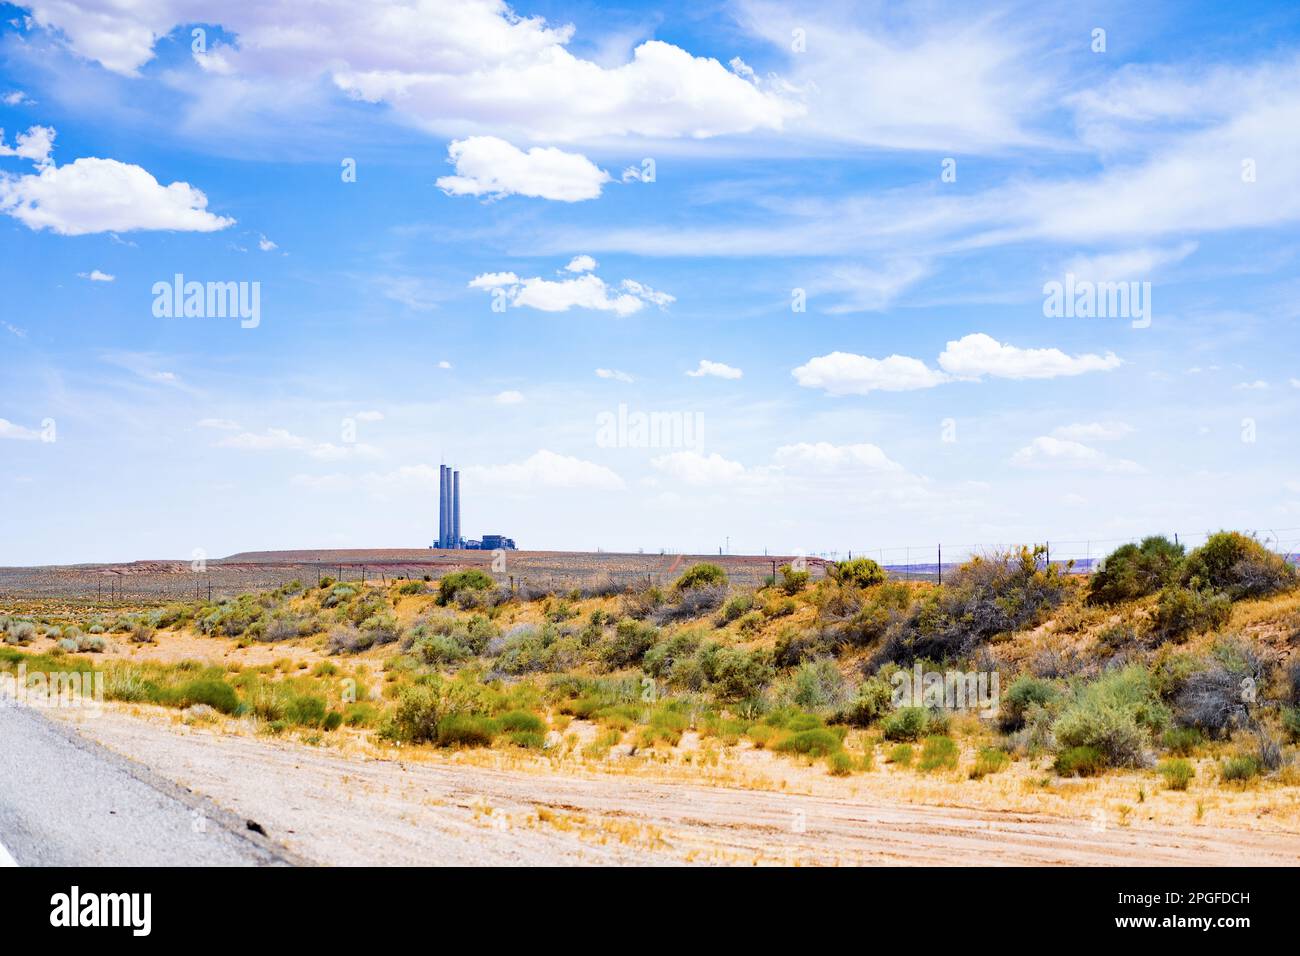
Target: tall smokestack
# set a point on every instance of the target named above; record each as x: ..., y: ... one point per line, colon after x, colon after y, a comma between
x: 455, y: 510
x: 442, y: 506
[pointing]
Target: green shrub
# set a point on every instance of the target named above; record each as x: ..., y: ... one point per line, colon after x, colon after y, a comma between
x: 1177, y: 773
x: 792, y: 581
x: 1237, y: 565
x: 901, y: 754
x: 421, y: 708
x: 1182, y: 741
x: 1114, y: 715
x: 816, y: 742
x: 631, y: 640
x: 989, y: 760
x: 939, y: 753
x: 1079, y: 762
x: 1239, y: 769
x: 1291, y: 722
x: 858, y: 573
x: 906, y: 723
x: 471, y: 579
x: 1025, y: 692
x: 528, y: 739
x: 814, y: 685
x: 214, y: 692
x: 521, y: 720
x: 1181, y: 611
x: 465, y: 730
x: 1136, y: 570
x: 701, y: 576
x: 333, y: 720
x: 305, y: 711
x: 839, y: 764
x: 873, y: 701
x: 734, y: 674
x: 736, y: 606
x: 407, y: 588
x: 751, y: 623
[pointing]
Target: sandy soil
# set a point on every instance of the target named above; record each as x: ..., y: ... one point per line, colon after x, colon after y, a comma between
x: 355, y: 809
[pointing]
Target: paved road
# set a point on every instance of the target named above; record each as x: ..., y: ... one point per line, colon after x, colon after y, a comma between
x: 65, y: 801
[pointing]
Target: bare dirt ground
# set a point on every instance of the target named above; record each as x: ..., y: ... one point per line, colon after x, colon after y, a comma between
x: 338, y: 809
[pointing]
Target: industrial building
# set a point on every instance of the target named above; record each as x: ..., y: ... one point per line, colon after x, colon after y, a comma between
x: 449, y: 536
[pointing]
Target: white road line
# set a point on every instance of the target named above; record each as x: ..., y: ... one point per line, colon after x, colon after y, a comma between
x: 6, y: 859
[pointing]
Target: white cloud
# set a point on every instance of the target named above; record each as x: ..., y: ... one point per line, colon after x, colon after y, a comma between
x: 15, y: 98
x: 869, y: 290
x: 715, y: 370
x: 823, y: 456
x: 977, y: 354
x: 35, y: 145
x: 102, y: 195
x: 1258, y: 385
x: 265, y: 244
x: 488, y: 166
x: 1128, y: 264
x: 444, y: 364
x: 509, y: 398
x: 585, y: 291
x: 547, y: 469
x: 13, y: 329
x: 1048, y: 452
x: 694, y: 468
x: 1093, y: 431
x: 9, y: 430
x: 221, y: 424
x: 613, y: 374
x: 451, y: 66
x: 581, y: 264
x: 94, y: 275
x: 844, y: 373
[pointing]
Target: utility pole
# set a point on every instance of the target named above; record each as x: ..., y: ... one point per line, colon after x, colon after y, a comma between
x: 941, y: 563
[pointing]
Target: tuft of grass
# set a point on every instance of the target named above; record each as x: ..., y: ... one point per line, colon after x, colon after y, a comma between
x: 816, y: 742
x: 1178, y: 773
x: 901, y: 754
x: 839, y: 764
x: 1239, y: 769
x: 1079, y: 762
x: 938, y: 753
x: 989, y: 760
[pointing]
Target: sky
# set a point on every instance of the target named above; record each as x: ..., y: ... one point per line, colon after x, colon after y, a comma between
x: 752, y: 276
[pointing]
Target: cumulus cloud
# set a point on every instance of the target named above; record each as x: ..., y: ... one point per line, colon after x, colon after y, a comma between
x: 453, y: 66
x: 844, y: 373
x: 976, y: 355
x: 824, y: 456
x: 103, y: 195
x: 1049, y: 452
x: 509, y: 397
x: 36, y: 145
x: 695, y: 468
x: 15, y: 98
x: 714, y: 370
x: 584, y: 291
x: 489, y: 166
x: 94, y: 275
x: 581, y: 264
x: 548, y: 469
x: 613, y: 374
x: 265, y: 244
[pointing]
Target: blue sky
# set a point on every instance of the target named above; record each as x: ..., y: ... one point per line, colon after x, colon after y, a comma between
x: 798, y: 153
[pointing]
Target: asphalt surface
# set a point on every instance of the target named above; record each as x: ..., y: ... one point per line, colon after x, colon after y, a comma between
x: 65, y: 801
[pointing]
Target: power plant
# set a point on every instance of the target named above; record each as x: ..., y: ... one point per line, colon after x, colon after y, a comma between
x: 449, y: 536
